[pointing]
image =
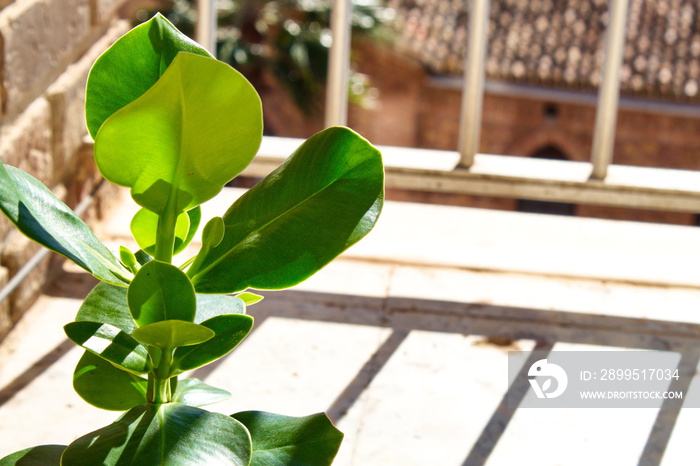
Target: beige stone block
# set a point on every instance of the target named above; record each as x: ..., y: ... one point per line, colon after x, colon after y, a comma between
x: 39, y: 39
x: 26, y: 142
x: 67, y: 99
x: 105, y: 10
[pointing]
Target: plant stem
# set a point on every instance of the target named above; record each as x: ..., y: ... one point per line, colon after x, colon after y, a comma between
x: 165, y: 235
x: 159, y: 379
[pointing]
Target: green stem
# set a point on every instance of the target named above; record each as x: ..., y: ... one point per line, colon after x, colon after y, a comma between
x: 159, y: 379
x: 165, y: 235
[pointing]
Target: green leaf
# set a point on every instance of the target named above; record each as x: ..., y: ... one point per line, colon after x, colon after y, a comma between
x: 169, y: 334
x: 105, y: 386
x: 43, y: 455
x: 159, y: 292
x: 194, y: 392
x: 107, y: 304
x: 164, y: 434
x: 144, y: 226
x: 230, y: 331
x: 284, y: 440
x: 42, y: 217
x: 250, y: 298
x: 209, y: 306
x: 323, y: 199
x: 131, y: 66
x: 110, y: 343
x: 178, y: 144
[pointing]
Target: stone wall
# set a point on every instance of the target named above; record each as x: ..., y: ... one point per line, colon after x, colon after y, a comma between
x: 46, y: 50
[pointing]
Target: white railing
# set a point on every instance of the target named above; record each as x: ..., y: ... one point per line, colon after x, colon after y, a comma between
x: 465, y: 171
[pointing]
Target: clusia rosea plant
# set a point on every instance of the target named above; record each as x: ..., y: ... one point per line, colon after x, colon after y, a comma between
x: 174, y: 125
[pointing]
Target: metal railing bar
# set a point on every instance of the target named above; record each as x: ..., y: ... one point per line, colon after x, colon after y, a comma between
x: 40, y: 255
x: 606, y: 113
x: 474, y: 77
x: 532, y: 91
x: 339, y: 64
x: 205, y: 29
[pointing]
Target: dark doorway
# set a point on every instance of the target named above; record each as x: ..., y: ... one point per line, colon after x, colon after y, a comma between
x: 550, y: 152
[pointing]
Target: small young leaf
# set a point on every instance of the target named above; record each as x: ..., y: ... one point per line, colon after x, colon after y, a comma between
x: 250, y: 298
x: 194, y: 392
x: 107, y: 304
x: 127, y: 257
x: 131, y: 66
x: 178, y: 144
x: 43, y: 455
x: 160, y: 434
x: 159, y: 292
x: 42, y: 217
x: 230, y: 331
x: 105, y: 386
x: 145, y: 224
x: 323, y: 199
x: 169, y: 334
x: 282, y: 440
x: 111, y: 344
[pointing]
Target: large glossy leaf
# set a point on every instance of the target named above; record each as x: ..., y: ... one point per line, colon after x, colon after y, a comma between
x: 170, y: 334
x: 323, y: 199
x: 41, y: 216
x: 131, y: 66
x: 110, y: 343
x: 43, y: 455
x: 107, y: 304
x: 229, y: 330
x: 104, y: 386
x: 178, y: 144
x: 284, y: 440
x: 194, y: 392
x: 164, y: 434
x: 159, y: 292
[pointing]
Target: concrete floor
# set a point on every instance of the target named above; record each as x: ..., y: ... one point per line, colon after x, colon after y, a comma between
x: 404, y: 340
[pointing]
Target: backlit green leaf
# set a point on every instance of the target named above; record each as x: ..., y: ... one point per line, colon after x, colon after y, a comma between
x: 283, y: 440
x: 105, y: 386
x: 178, y: 144
x: 164, y: 434
x: 169, y: 334
x: 131, y: 66
x: 159, y: 292
x: 194, y: 392
x: 41, y: 216
x: 111, y: 344
x: 144, y: 225
x: 323, y: 199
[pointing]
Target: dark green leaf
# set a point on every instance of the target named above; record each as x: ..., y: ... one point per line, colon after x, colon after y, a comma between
x: 178, y: 144
x: 43, y: 455
x: 323, y: 199
x: 107, y: 304
x: 169, y: 334
x: 131, y: 66
x: 159, y: 292
x: 111, y: 344
x: 164, y: 434
x: 284, y: 440
x: 230, y: 331
x: 194, y: 392
x: 104, y: 386
x: 209, y: 306
x: 41, y: 216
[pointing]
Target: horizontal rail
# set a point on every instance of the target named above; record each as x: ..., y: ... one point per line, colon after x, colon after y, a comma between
x: 518, y: 177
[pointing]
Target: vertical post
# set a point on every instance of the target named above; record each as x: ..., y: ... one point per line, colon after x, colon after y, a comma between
x: 473, y: 90
x: 205, y: 32
x: 609, y: 93
x: 339, y: 64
